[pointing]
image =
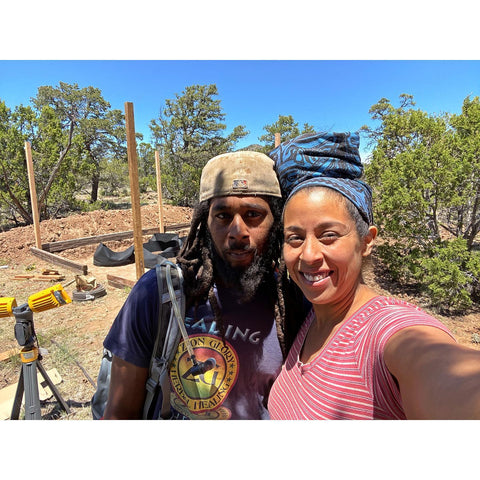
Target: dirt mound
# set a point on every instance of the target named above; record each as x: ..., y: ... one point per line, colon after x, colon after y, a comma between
x: 15, y: 244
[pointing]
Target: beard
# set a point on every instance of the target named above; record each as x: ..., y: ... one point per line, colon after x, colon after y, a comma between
x: 243, y: 283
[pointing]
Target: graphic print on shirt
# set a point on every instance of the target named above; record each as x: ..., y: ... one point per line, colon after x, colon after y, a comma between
x: 201, y: 396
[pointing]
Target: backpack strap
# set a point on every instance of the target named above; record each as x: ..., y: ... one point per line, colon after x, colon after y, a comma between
x: 167, y: 339
x: 100, y: 397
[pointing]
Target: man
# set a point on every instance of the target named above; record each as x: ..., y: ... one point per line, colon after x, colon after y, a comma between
x: 235, y: 307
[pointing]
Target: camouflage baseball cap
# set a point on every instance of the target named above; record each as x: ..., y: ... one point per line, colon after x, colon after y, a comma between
x: 239, y: 173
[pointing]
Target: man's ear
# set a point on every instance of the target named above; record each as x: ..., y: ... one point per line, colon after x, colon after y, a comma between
x: 369, y: 240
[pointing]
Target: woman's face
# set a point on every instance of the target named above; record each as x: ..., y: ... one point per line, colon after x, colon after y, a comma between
x: 322, y: 249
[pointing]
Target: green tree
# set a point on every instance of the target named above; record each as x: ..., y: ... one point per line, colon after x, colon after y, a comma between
x: 190, y: 131
x: 422, y: 204
x: 101, y: 136
x: 114, y: 176
x: 73, y: 133
x: 286, y: 127
x: 87, y: 130
x: 147, y: 172
x: 15, y: 128
x: 463, y: 216
x: 56, y: 178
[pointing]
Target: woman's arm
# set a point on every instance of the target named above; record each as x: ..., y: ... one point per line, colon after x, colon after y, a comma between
x: 438, y: 378
x: 127, y: 391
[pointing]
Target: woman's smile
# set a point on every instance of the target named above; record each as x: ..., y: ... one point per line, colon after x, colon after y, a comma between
x: 314, y: 278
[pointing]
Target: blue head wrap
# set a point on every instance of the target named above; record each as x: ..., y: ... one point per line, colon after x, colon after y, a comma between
x: 324, y: 159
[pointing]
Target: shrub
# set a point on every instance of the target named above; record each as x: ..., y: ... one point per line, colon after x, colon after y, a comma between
x: 450, y: 277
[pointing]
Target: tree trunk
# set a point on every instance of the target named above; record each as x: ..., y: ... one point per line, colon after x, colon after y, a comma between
x: 95, y: 183
x: 14, y: 203
x: 474, y: 226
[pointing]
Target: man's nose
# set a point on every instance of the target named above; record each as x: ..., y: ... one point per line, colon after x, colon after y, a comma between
x: 238, y: 228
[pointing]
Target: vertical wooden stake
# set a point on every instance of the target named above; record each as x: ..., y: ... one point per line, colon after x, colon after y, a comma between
x: 277, y: 140
x: 134, y: 189
x: 159, y: 192
x: 33, y: 195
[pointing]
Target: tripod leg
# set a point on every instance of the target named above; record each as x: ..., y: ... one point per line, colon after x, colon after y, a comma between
x: 32, y: 399
x: 17, y: 403
x: 54, y: 389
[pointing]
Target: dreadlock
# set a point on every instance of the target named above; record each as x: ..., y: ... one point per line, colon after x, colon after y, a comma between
x: 195, y: 259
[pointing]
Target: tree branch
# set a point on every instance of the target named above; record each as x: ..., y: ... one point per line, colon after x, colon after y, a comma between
x: 14, y: 202
x: 63, y: 154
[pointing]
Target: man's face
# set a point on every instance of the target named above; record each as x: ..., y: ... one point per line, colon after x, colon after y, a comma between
x: 239, y: 227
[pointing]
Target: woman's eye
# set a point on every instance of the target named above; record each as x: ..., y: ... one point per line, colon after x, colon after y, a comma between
x: 293, y: 240
x: 328, y: 237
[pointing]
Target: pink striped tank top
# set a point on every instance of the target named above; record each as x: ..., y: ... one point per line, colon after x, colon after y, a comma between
x: 348, y: 379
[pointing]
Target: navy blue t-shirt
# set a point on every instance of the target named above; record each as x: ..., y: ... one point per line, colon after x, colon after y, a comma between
x: 246, y: 365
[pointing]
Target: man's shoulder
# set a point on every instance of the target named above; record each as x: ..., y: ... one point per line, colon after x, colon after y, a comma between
x: 146, y: 285
x: 149, y: 276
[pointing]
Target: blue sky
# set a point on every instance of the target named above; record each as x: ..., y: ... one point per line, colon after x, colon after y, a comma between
x: 328, y: 94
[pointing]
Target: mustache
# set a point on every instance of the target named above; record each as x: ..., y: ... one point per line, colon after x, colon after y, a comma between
x: 239, y: 247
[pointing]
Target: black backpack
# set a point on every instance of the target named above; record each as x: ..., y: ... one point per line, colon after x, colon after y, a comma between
x: 171, y: 313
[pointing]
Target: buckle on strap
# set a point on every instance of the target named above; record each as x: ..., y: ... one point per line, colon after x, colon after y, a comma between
x: 151, y: 384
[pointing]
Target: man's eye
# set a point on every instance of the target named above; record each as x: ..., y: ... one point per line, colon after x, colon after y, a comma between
x: 253, y: 214
x: 223, y: 216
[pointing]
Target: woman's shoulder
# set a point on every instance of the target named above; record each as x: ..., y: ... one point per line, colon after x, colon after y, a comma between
x: 386, y: 302
x: 392, y: 313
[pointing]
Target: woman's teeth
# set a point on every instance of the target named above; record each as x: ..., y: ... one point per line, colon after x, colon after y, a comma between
x: 315, y: 278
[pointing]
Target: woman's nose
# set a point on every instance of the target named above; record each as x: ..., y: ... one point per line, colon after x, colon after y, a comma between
x: 312, y: 251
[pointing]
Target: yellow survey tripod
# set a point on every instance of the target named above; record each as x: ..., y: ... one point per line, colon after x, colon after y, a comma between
x: 29, y: 354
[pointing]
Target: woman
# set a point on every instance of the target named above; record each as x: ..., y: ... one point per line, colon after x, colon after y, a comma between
x: 358, y: 355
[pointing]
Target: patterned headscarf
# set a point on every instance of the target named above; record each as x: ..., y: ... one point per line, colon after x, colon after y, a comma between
x: 324, y: 159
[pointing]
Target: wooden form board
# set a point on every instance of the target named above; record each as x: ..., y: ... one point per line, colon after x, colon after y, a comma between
x: 9, y: 353
x: 40, y: 278
x: 80, y: 242
x: 107, y: 237
x: 119, y: 282
x: 55, y: 259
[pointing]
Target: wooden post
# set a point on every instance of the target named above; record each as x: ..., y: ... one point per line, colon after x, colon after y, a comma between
x: 134, y: 189
x: 159, y: 191
x: 33, y: 194
x: 277, y: 140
